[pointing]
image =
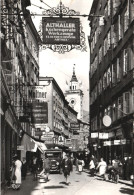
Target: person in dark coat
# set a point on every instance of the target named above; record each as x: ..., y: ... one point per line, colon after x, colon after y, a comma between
x: 24, y: 168
x: 67, y: 167
x: 34, y: 168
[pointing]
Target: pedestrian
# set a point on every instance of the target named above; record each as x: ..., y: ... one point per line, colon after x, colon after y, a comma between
x: 34, y: 168
x: 24, y: 168
x: 102, y: 166
x: 46, y: 167
x: 92, y: 166
x: 16, y: 172
x: 80, y: 166
x: 76, y: 163
x: 66, y: 167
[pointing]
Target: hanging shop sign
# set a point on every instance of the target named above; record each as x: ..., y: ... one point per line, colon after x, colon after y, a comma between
x: 61, y: 30
x: 75, y: 126
x: 39, y: 112
x: 107, y: 121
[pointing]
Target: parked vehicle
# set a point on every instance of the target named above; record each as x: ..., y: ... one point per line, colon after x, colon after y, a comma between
x: 55, y: 155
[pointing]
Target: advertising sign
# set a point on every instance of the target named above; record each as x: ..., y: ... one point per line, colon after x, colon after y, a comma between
x: 37, y: 92
x: 39, y: 112
x: 103, y: 135
x: 75, y: 126
x: 61, y: 30
x: 107, y: 121
x: 94, y: 135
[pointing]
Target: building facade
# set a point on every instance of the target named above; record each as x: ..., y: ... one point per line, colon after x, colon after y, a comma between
x: 111, y: 78
x: 19, y: 69
x: 60, y: 114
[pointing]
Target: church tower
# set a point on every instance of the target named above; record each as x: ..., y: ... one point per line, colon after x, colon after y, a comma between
x: 74, y: 95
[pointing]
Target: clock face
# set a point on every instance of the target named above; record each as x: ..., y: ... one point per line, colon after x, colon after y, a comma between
x: 72, y: 101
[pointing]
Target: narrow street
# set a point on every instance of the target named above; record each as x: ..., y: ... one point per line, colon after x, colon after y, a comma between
x: 79, y: 184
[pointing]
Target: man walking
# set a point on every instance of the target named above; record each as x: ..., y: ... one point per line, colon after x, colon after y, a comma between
x: 46, y: 167
x: 66, y: 167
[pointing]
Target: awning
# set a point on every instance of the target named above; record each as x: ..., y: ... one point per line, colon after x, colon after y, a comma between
x: 28, y: 143
x: 32, y: 145
x: 41, y: 146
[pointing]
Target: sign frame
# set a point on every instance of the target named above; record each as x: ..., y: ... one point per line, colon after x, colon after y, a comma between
x: 60, y: 30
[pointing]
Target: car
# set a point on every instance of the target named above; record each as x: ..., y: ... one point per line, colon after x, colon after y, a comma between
x: 55, y: 155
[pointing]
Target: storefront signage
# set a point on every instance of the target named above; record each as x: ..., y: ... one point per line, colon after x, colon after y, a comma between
x: 116, y: 142
x: 37, y: 92
x: 75, y: 126
x: 47, y: 135
x: 94, y: 135
x: 39, y: 112
x: 107, y: 143
x: 68, y: 142
x: 61, y: 30
x: 103, y: 135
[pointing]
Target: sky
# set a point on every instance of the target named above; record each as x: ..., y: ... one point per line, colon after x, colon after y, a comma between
x: 60, y: 66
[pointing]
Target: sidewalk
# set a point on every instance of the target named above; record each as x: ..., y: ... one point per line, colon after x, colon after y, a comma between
x: 27, y: 186
x: 129, y: 183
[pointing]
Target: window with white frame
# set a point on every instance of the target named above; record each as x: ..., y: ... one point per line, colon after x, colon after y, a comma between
x: 119, y: 28
x: 114, y: 29
x: 108, y: 77
x: 125, y: 61
x: 106, y: 11
x: 108, y: 40
x: 100, y: 86
x: 113, y: 73
x: 116, y: 4
x: 108, y: 7
x: 118, y: 69
x: 120, y: 106
x: 105, y: 80
x: 105, y: 46
x: 95, y: 36
x: 126, y: 102
x: 114, y: 110
x: 100, y: 54
x: 126, y: 19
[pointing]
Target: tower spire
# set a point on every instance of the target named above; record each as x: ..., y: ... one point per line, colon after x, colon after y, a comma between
x: 74, y: 78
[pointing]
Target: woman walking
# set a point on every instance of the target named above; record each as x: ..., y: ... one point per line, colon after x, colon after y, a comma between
x: 16, y: 173
x: 102, y: 166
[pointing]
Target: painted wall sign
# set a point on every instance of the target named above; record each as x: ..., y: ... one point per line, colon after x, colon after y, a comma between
x: 61, y: 30
x: 39, y: 112
x: 37, y: 92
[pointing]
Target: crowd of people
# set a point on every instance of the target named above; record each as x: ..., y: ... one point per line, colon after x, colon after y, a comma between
x: 41, y: 167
